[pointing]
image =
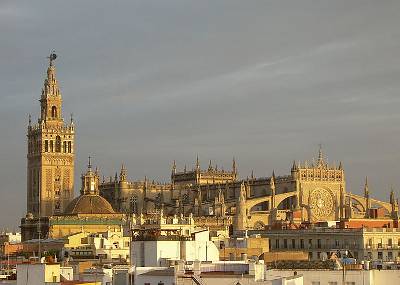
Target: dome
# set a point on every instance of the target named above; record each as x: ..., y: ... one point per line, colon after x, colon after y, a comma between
x: 89, y: 204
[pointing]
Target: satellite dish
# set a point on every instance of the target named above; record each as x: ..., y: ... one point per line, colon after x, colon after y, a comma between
x: 324, y: 256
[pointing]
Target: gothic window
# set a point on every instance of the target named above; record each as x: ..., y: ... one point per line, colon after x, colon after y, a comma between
x: 54, y: 112
x: 46, y: 146
x: 64, y: 147
x: 51, y: 146
x: 57, y: 205
x: 58, y: 144
x: 69, y: 147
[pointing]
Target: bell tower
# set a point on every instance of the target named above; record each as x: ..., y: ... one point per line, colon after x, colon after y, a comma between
x: 50, y: 167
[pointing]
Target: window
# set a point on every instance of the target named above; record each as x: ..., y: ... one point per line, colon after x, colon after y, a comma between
x: 54, y: 112
x: 302, y: 243
x: 370, y: 242
x: 310, y: 243
x: 293, y: 243
x: 64, y: 147
x: 315, y: 283
x: 390, y: 242
x: 380, y: 255
x: 285, y: 243
x: 51, y: 146
x: 332, y: 283
x: 58, y: 144
x: 69, y: 147
x: 318, y: 255
x: 46, y: 146
x: 277, y: 243
x: 390, y: 255
x: 380, y: 243
x: 351, y: 283
x: 337, y: 243
x: 318, y: 243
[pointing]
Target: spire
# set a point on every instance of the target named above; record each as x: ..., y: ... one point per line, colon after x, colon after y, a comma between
x: 366, y: 190
x: 173, y: 167
x: 320, y: 155
x: 234, y: 170
x: 50, y: 83
x: 210, y: 166
x: 294, y: 166
x: 252, y: 174
x: 197, y: 163
x: 29, y: 120
x: 392, y: 199
x: 122, y: 174
x: 90, y: 180
x: 272, y: 180
x: 50, y: 100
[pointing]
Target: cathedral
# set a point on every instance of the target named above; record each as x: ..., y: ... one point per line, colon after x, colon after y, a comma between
x: 311, y: 192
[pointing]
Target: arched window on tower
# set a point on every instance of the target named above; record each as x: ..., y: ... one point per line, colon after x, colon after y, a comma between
x: 58, y: 144
x: 54, y: 112
x: 64, y: 146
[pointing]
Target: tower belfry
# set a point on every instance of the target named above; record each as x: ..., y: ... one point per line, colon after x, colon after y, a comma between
x: 50, y: 158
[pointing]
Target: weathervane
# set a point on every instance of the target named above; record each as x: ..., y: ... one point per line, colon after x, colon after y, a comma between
x: 52, y: 57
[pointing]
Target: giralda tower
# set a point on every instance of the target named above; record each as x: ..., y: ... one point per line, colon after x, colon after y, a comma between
x: 50, y: 169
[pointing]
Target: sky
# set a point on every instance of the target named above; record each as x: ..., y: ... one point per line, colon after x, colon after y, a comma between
x: 153, y: 81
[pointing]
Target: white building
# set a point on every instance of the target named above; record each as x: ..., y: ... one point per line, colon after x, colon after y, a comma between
x: 221, y: 273
x: 150, y: 253
x: 38, y: 273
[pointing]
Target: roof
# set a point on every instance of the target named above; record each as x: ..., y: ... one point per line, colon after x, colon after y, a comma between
x: 160, y: 272
x: 89, y: 204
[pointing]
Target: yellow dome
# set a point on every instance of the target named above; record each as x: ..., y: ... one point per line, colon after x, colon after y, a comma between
x: 89, y: 204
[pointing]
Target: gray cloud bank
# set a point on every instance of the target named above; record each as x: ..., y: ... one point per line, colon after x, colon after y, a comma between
x: 153, y: 81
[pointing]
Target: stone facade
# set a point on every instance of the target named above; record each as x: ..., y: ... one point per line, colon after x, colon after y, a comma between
x: 312, y: 192
x: 50, y: 169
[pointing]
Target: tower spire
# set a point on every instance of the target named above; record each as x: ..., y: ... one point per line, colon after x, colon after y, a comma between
x: 197, y: 163
x: 51, y: 96
x: 320, y: 155
x: 366, y: 190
